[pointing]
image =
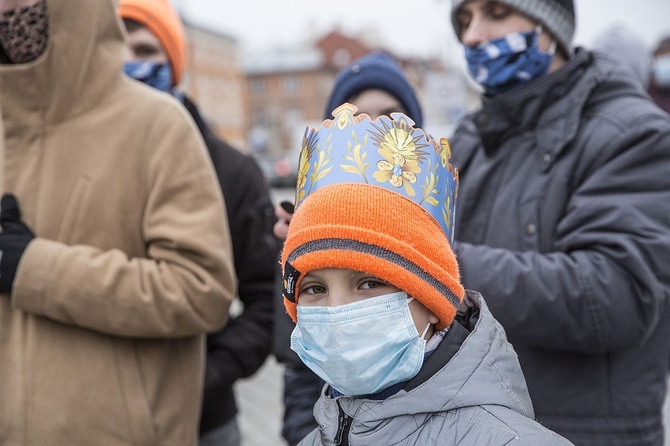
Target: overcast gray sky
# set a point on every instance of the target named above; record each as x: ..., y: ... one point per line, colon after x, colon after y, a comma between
x: 406, y: 26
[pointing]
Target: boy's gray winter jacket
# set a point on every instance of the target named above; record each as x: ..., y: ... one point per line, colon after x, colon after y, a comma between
x: 470, y: 391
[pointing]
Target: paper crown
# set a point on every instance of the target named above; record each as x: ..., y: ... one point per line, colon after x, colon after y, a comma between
x: 386, y: 152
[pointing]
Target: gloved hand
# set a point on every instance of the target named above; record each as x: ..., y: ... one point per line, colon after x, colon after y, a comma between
x: 14, y: 239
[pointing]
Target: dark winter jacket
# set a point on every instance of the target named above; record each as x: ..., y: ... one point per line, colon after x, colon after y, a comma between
x: 241, y: 347
x: 470, y: 391
x: 564, y: 223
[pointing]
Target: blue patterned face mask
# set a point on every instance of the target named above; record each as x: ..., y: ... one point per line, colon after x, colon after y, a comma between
x: 662, y: 71
x: 157, y: 75
x: 363, y: 347
x: 508, y: 62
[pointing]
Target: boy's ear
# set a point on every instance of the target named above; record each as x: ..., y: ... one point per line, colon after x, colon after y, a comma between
x: 433, y: 319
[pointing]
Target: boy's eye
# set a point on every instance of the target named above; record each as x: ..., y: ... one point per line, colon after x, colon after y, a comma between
x: 313, y: 289
x: 372, y: 284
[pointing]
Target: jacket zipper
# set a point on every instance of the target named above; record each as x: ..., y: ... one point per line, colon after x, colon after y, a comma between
x: 343, y: 426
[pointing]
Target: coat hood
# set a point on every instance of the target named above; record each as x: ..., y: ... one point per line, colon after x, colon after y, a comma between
x: 79, y: 67
x: 624, y: 46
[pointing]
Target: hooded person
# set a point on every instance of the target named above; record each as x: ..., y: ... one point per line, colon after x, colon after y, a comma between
x: 372, y: 282
x: 659, y: 84
x: 566, y: 217
x: 620, y: 43
x: 376, y: 85
x: 157, y: 57
x: 116, y: 252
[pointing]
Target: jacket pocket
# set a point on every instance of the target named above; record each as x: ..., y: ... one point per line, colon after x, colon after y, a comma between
x: 131, y: 384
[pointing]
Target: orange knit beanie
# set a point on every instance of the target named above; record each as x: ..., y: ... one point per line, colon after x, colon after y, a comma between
x: 377, y: 197
x: 162, y: 20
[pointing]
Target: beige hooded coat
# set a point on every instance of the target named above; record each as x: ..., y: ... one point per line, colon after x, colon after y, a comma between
x: 101, y: 342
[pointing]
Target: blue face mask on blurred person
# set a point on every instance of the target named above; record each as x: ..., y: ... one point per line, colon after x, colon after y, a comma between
x: 157, y: 75
x: 363, y: 347
x: 662, y: 71
x: 508, y: 62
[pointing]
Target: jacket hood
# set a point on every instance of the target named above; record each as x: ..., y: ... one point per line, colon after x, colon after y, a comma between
x: 621, y: 44
x: 484, y: 371
x: 79, y: 67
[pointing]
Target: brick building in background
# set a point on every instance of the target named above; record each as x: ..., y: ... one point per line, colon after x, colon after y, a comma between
x: 262, y: 102
x: 215, y: 80
x: 288, y: 90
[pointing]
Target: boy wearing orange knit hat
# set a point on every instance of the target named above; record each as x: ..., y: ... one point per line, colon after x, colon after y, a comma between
x: 409, y: 356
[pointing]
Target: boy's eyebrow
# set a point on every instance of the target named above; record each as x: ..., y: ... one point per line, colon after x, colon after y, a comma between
x: 359, y: 274
x: 312, y: 275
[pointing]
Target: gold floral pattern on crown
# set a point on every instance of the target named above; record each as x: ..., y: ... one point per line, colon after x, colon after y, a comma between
x: 387, y: 152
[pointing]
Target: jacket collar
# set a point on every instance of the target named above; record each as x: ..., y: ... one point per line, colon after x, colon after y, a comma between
x: 546, y: 101
x: 459, y: 330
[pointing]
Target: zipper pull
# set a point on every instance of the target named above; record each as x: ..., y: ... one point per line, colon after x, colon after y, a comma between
x: 343, y: 422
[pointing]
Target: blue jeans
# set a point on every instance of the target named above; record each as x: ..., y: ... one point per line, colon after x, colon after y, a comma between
x: 225, y: 435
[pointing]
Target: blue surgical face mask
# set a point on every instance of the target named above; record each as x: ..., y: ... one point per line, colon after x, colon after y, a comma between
x: 662, y: 71
x: 363, y: 347
x: 508, y: 62
x: 157, y: 75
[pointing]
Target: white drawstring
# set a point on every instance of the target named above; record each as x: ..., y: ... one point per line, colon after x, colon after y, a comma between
x: 426, y: 330
x: 410, y: 299
x: 554, y: 42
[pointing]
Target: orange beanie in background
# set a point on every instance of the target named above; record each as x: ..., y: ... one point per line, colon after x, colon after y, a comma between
x: 160, y: 17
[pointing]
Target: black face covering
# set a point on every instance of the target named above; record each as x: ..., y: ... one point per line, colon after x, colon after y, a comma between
x: 24, y: 33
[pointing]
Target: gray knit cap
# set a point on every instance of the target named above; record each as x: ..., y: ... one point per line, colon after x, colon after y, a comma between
x: 557, y: 16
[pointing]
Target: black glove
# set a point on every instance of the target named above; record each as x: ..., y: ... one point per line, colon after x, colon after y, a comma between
x: 14, y: 238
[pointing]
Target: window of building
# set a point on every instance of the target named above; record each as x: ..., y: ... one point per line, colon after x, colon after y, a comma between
x: 341, y: 57
x: 257, y: 86
x: 291, y: 84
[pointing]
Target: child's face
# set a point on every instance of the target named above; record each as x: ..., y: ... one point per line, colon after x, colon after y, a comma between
x: 376, y: 103
x: 332, y: 287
